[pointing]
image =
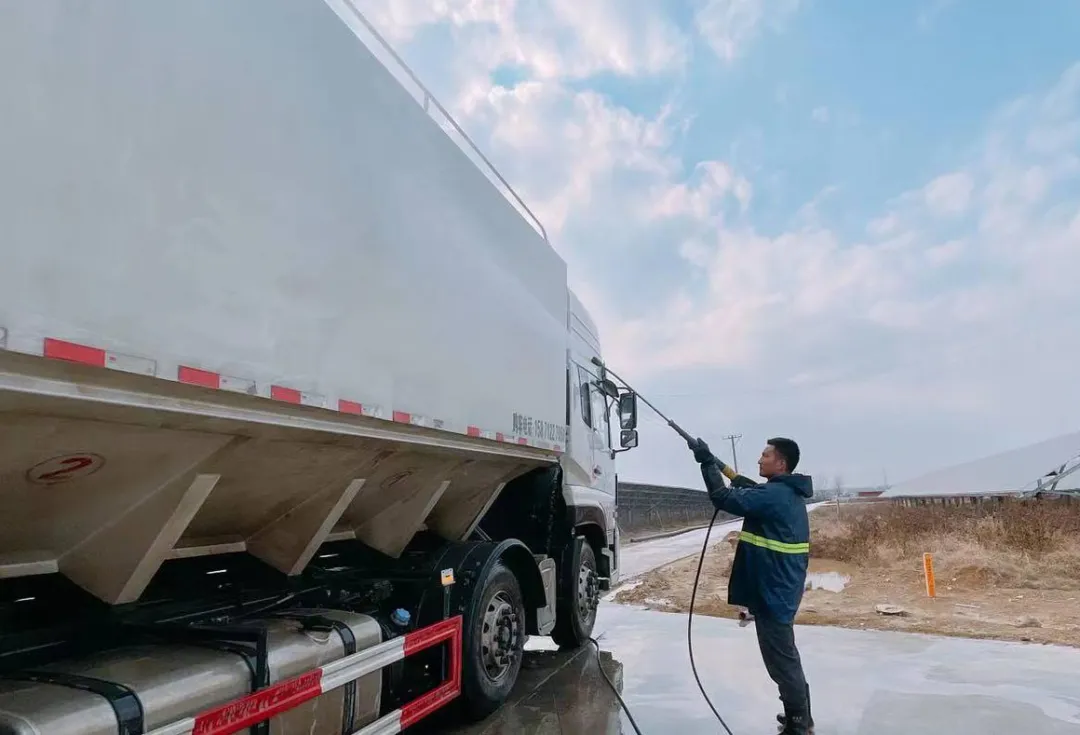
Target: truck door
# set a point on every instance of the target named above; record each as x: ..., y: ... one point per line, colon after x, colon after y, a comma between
x: 603, y: 464
x: 590, y: 462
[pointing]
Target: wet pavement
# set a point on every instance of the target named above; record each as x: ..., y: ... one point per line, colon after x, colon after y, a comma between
x: 863, y: 683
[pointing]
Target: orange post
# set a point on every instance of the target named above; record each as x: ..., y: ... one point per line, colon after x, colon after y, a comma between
x: 928, y: 571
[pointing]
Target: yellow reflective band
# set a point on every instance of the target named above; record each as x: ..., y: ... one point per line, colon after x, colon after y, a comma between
x: 780, y: 546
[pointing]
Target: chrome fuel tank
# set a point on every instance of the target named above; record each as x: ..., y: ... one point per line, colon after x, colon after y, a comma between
x: 171, y: 682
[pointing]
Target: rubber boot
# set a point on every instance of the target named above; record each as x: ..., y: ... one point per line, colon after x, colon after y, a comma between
x: 782, y: 718
x: 796, y: 723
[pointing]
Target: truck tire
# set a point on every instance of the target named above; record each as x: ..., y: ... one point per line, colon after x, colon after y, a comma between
x: 494, y: 639
x: 576, y: 606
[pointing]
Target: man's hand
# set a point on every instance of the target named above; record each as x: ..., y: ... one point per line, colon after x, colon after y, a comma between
x: 701, y: 451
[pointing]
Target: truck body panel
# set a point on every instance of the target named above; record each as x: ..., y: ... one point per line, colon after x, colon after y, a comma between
x: 206, y: 185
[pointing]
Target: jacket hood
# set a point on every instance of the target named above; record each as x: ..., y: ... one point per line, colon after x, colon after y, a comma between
x: 802, y: 484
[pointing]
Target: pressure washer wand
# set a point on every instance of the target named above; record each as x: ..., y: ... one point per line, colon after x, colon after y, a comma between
x: 728, y: 472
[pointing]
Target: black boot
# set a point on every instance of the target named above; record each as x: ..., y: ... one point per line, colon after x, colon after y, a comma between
x: 796, y: 723
x: 782, y: 719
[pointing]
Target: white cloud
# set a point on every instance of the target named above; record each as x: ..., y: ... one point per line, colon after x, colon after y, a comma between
x: 562, y: 144
x: 912, y: 320
x: 548, y: 38
x: 949, y: 194
x: 728, y: 26
x: 716, y: 181
x: 884, y: 226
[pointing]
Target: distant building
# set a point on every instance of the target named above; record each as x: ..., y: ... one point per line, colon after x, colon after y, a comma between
x: 1051, y: 466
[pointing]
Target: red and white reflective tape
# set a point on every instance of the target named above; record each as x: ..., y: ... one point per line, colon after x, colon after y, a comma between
x: 247, y: 711
x: 297, y: 397
x: 207, y: 379
x: 58, y: 349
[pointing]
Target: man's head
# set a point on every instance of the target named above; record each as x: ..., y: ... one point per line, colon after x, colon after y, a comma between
x: 779, y: 457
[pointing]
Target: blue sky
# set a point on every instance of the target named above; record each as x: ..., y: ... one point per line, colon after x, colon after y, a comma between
x: 854, y: 223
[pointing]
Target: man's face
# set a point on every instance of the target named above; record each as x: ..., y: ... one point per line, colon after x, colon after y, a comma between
x: 771, y: 463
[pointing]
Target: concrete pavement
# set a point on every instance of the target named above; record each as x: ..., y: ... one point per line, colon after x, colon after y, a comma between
x: 863, y: 683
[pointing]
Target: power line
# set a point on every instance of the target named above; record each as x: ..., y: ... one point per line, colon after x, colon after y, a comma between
x: 734, y: 438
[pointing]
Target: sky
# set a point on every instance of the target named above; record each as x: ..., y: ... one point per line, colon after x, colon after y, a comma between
x: 855, y: 224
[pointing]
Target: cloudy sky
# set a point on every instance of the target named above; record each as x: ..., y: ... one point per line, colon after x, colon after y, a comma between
x: 854, y: 223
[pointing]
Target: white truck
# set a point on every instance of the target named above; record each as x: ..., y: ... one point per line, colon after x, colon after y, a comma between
x: 301, y: 429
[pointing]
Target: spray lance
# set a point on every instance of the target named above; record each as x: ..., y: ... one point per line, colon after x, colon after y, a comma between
x: 728, y: 473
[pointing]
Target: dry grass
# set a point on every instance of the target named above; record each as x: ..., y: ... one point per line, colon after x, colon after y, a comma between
x: 1031, y: 544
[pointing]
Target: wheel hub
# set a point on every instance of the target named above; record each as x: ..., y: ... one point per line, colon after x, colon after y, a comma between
x: 588, y: 592
x: 500, y: 636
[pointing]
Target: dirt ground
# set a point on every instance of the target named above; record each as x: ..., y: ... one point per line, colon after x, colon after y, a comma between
x: 984, y: 587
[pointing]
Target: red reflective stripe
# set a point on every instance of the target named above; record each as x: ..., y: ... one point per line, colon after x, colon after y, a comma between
x: 445, y: 631
x: 432, y: 635
x: 473, y: 431
x: 500, y: 437
x: 194, y: 376
x: 523, y: 441
x: 262, y: 705
x: 402, y: 418
x: 288, y: 395
x: 350, y: 407
x: 57, y: 349
x: 423, y: 706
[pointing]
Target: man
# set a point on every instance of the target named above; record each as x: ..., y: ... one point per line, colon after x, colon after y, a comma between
x: 769, y: 572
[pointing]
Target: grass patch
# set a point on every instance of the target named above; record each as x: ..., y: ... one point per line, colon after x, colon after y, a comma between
x: 1015, y: 543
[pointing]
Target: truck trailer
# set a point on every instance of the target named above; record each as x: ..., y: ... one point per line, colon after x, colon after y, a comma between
x: 301, y: 428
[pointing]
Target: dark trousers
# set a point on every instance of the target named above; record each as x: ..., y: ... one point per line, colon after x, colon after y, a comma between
x: 777, y: 643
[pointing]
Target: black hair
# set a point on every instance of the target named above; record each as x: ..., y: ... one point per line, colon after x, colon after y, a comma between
x: 788, y: 449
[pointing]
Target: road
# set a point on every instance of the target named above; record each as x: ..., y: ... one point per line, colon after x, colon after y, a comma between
x: 862, y: 682
x: 636, y: 559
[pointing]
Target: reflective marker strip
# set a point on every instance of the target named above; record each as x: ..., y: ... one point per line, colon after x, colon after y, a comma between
x: 217, y: 381
x: 245, y: 712
x: 779, y: 546
x: 58, y: 349
x: 299, y: 398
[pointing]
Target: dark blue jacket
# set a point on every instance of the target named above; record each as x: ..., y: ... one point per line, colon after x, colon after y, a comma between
x: 769, y: 572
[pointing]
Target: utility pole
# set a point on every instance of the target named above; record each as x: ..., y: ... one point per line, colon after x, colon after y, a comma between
x: 733, y: 438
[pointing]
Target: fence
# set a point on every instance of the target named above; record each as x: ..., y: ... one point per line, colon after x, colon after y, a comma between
x: 654, y: 508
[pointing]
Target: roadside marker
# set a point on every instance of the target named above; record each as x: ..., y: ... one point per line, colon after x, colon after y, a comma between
x: 928, y: 572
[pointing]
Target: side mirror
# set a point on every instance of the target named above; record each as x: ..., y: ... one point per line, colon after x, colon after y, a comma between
x: 628, y: 438
x: 628, y: 411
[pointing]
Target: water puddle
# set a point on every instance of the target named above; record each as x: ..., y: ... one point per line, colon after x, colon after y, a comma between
x: 828, y: 581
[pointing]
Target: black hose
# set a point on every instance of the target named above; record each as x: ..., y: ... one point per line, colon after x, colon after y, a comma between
x: 615, y: 689
x: 690, y: 624
x: 689, y: 643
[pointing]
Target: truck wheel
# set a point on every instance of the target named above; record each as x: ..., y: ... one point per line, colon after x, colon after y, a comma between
x: 576, y: 609
x: 494, y: 640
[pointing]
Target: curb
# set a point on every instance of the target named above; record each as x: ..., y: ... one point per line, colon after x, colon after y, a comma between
x: 667, y: 534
